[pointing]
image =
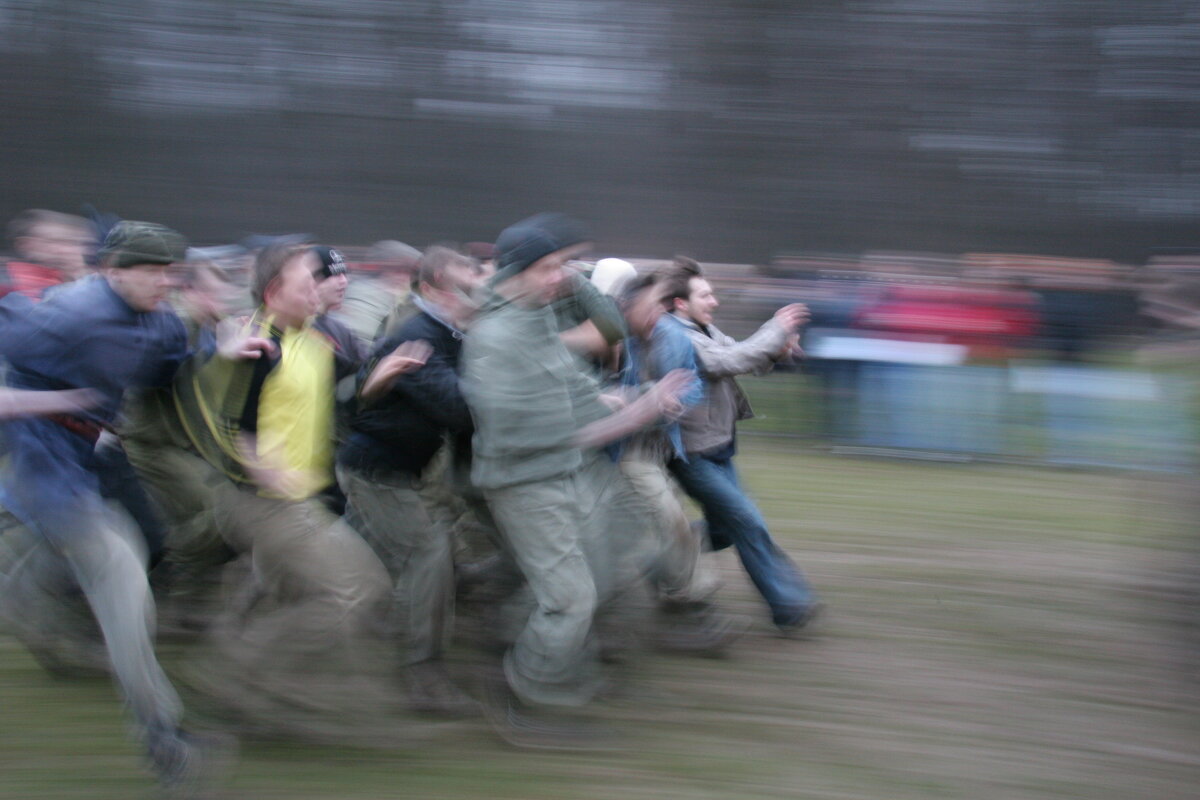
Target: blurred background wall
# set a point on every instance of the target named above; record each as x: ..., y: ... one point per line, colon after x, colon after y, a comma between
x: 733, y: 131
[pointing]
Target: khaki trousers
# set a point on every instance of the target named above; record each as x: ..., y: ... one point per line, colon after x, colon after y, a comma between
x: 322, y: 586
x: 553, y: 659
x: 415, y: 549
x: 677, y: 572
x: 184, y: 486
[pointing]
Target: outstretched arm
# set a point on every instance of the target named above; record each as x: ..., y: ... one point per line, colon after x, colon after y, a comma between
x: 721, y: 356
x: 663, y: 400
x: 408, y: 356
x: 30, y: 403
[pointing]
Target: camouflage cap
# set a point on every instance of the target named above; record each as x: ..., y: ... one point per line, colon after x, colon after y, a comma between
x: 130, y: 243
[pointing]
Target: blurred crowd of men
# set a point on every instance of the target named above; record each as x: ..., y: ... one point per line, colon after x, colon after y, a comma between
x: 312, y: 478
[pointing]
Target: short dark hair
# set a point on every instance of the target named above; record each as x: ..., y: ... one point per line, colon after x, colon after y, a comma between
x: 25, y: 223
x: 678, y: 285
x: 434, y: 262
x: 270, y: 262
x: 688, y: 265
x: 635, y: 286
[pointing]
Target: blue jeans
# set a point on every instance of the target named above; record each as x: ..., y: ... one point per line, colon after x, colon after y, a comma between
x: 733, y: 519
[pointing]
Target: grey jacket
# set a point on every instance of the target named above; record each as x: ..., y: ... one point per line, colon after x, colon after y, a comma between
x: 526, y: 394
x: 710, y: 425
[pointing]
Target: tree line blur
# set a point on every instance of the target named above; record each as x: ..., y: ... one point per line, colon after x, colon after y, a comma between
x: 731, y: 131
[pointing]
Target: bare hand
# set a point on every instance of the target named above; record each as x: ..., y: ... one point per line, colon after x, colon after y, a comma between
x: 280, y: 482
x: 791, y: 348
x: 669, y: 391
x: 792, y: 316
x: 79, y: 399
x: 663, y: 399
x: 268, y: 470
x: 407, y: 357
x: 236, y: 342
x: 614, y: 402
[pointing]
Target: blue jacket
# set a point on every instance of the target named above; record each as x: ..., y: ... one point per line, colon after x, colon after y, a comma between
x: 84, y: 336
x: 670, y: 348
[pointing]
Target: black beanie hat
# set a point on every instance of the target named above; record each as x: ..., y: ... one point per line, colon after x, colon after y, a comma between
x: 332, y: 263
x: 524, y: 243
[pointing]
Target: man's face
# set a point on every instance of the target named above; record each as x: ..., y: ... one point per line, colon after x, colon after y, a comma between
x: 61, y: 247
x: 645, y: 310
x: 210, y: 299
x: 700, y: 303
x: 543, y: 281
x: 142, y: 286
x: 397, y: 274
x: 293, y: 294
x: 331, y: 291
x: 454, y: 297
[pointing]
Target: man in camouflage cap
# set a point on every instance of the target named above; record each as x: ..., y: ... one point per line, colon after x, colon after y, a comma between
x: 134, y: 260
x: 105, y: 335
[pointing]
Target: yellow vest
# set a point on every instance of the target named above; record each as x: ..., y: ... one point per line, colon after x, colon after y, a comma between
x: 296, y: 409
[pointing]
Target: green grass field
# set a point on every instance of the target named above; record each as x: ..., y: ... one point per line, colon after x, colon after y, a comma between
x: 993, y: 632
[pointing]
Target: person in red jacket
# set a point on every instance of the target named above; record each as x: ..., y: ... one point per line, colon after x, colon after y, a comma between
x: 50, y: 250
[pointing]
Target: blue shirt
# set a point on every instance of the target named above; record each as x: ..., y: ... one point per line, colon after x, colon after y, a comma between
x: 670, y: 349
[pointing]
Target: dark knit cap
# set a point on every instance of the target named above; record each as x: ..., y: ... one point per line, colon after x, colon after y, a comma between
x: 332, y: 263
x: 529, y: 240
x: 130, y: 243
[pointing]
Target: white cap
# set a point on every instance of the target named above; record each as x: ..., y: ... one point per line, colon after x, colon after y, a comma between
x: 611, y: 273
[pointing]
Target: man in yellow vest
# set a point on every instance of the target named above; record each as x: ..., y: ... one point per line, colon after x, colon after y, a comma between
x: 271, y: 428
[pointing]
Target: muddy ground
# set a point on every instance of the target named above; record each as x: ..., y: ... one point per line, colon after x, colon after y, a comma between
x: 993, y: 632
